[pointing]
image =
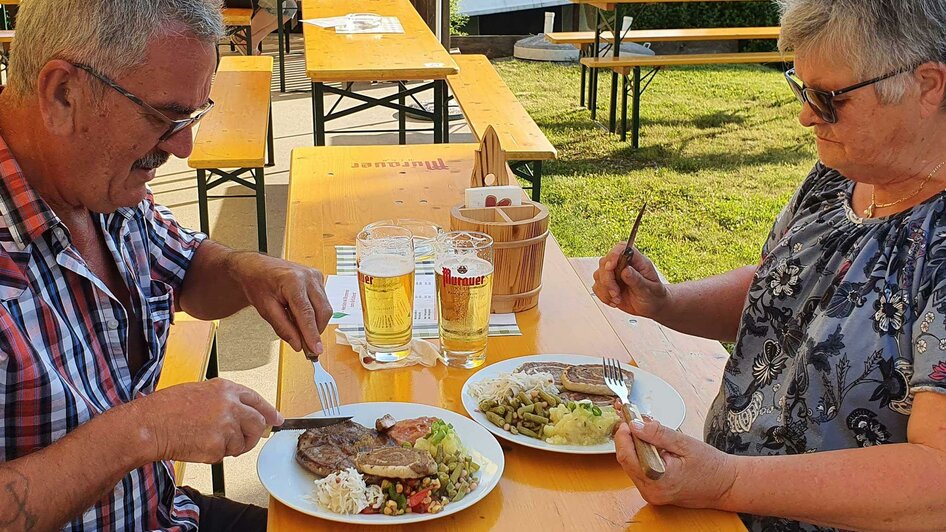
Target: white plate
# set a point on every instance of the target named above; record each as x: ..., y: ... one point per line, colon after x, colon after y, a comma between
x: 293, y: 486
x: 652, y: 395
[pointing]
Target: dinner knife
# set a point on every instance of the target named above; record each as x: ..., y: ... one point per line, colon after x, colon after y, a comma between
x: 302, y: 423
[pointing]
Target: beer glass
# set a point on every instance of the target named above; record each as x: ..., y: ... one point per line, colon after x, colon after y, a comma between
x: 463, y: 266
x: 384, y: 256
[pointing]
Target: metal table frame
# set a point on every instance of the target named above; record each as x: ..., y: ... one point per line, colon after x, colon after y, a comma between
x: 441, y: 126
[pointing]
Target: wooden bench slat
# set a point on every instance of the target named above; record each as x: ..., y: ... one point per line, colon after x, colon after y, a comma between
x: 233, y: 135
x: 233, y: 16
x: 186, y: 358
x: 625, y: 63
x: 661, y: 35
x: 692, y: 365
x: 486, y: 100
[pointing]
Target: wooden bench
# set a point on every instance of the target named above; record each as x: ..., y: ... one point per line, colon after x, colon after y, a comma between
x: 242, y: 20
x: 487, y: 101
x: 187, y: 358
x: 626, y: 65
x: 236, y: 135
x: 692, y: 365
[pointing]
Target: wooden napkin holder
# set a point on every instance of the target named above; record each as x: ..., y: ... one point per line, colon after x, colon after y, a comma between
x: 519, y: 232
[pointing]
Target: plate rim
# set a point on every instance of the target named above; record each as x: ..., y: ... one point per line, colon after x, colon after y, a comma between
x: 395, y: 520
x: 602, y: 448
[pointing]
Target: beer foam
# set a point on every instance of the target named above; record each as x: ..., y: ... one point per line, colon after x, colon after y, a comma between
x: 464, y: 266
x: 386, y: 265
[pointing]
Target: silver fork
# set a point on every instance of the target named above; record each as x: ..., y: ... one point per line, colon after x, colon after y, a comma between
x: 647, y: 454
x: 325, y: 387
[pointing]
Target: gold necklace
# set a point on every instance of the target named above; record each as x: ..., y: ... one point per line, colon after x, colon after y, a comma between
x: 869, y: 211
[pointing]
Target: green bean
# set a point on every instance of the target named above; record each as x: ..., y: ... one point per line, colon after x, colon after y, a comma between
x: 527, y: 432
x: 474, y: 467
x: 549, y: 398
x: 455, y: 475
x: 486, y: 405
x: 494, y: 419
x: 515, y: 403
x: 440, y: 454
x: 508, y: 417
x: 499, y: 410
x: 442, y: 468
x: 460, y: 494
x: 528, y: 408
x: 537, y: 419
x: 540, y: 410
x: 524, y: 398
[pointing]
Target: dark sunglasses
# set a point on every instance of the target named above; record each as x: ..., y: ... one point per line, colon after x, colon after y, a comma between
x: 173, y: 126
x: 822, y: 102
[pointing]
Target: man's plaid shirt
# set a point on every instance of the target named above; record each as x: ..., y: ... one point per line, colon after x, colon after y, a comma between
x: 63, y: 338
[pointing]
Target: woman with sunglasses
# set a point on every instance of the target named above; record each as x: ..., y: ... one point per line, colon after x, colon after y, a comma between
x: 832, y: 409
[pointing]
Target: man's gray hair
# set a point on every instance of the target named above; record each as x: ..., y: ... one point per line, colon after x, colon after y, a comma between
x: 873, y: 37
x: 111, y: 36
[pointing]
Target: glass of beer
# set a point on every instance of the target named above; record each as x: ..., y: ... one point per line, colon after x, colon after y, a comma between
x: 463, y: 265
x: 384, y: 256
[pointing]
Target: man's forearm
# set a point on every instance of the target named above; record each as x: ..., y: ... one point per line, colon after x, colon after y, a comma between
x: 887, y: 487
x: 210, y: 291
x: 711, y: 307
x: 48, y: 488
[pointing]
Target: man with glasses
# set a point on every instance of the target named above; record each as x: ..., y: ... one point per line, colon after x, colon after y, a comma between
x: 832, y: 410
x: 100, y: 94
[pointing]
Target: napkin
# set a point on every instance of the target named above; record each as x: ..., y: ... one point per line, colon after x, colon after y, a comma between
x: 422, y: 352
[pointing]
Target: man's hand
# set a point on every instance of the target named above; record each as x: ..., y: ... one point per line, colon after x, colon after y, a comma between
x: 698, y: 475
x: 203, y: 421
x: 288, y: 296
x: 640, y: 291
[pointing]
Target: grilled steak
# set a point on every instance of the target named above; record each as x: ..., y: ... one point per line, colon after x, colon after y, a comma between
x: 411, y: 430
x: 555, y: 368
x: 600, y: 400
x: 396, y: 462
x: 589, y: 378
x: 384, y: 423
x: 326, y: 450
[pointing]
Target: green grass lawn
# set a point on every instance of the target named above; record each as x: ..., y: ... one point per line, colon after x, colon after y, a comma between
x: 721, y: 152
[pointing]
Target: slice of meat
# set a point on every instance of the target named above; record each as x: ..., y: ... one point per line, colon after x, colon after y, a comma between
x: 599, y: 400
x: 411, y: 430
x: 396, y: 462
x: 384, y: 423
x: 326, y: 450
x: 555, y: 368
x: 589, y: 378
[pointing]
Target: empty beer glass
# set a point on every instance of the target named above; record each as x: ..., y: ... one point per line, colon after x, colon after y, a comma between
x: 463, y: 266
x: 384, y: 256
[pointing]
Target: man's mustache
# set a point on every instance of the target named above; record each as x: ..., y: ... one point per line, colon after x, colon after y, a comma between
x: 152, y: 160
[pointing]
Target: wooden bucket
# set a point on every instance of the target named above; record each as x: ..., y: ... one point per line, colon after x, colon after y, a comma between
x: 519, y: 235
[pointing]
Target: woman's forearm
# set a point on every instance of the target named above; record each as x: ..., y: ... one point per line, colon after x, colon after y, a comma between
x: 711, y: 307
x: 887, y: 487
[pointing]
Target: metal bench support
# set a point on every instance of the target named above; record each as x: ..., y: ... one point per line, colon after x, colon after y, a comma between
x: 258, y: 185
x: 531, y: 171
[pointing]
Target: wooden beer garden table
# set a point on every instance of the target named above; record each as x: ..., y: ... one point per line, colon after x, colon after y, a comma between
x: 334, y: 192
x: 415, y: 55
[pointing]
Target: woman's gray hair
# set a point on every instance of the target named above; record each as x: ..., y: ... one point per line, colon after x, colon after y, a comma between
x: 873, y: 37
x: 111, y: 36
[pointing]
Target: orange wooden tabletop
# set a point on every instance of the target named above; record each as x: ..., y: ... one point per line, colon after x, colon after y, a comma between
x: 415, y: 54
x: 333, y: 192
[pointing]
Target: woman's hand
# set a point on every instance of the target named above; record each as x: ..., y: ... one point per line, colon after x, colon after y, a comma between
x: 640, y: 291
x: 698, y: 475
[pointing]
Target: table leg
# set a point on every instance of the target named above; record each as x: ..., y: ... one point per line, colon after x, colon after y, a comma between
x: 401, y: 115
x: 282, y: 54
x: 202, y: 201
x: 446, y: 113
x: 593, y: 85
x: 261, y: 210
x: 636, y: 117
x: 438, y: 111
x: 318, y: 113
x: 249, y: 41
x: 616, y: 51
x: 270, y: 140
x: 623, y: 107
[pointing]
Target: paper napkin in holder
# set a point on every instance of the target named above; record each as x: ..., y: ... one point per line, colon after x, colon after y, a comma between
x: 422, y: 352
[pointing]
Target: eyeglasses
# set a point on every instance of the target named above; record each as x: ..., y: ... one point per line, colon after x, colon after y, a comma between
x: 173, y: 126
x: 822, y: 102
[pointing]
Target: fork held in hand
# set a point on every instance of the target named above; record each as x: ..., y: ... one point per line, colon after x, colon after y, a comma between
x: 325, y: 387
x: 647, y: 454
